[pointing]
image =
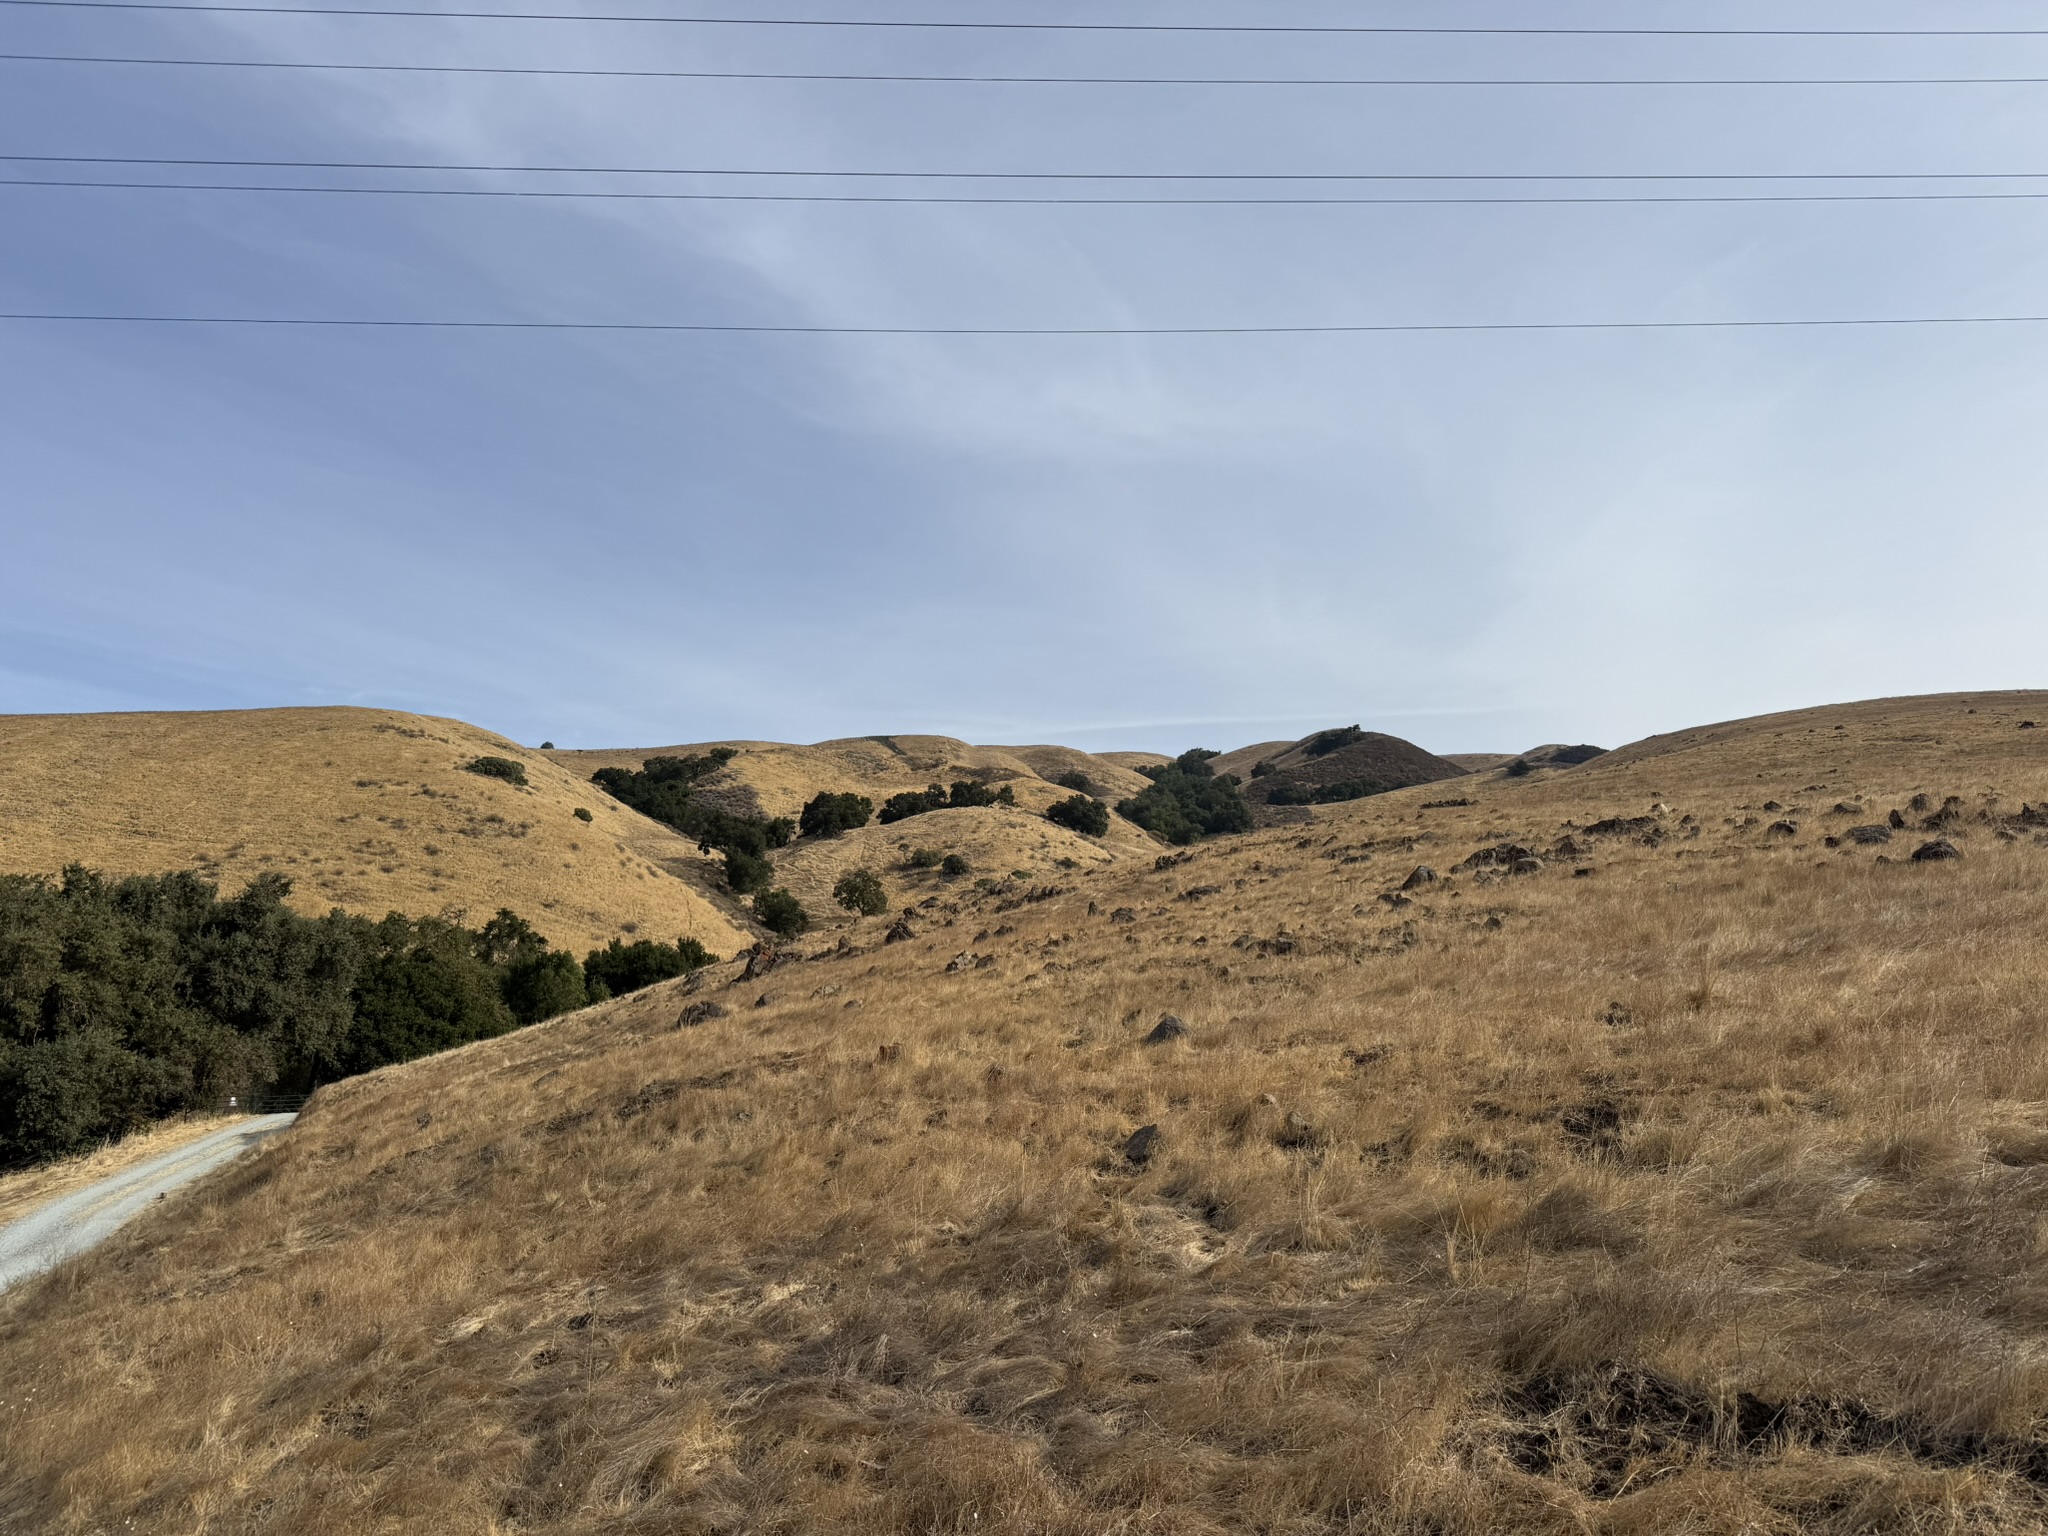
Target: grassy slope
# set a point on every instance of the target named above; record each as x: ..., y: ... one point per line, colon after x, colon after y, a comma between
x: 364, y: 809
x: 1469, y: 1216
x: 776, y: 779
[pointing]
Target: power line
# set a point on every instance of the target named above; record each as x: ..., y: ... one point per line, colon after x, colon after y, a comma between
x: 909, y: 79
x: 931, y: 175
x: 1424, y: 328
x: 989, y: 200
x: 1231, y: 29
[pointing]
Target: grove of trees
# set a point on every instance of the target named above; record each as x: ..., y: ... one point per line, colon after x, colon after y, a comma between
x: 126, y: 1000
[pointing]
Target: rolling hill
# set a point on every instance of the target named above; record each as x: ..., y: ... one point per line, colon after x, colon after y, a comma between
x: 1665, y: 1159
x: 362, y: 808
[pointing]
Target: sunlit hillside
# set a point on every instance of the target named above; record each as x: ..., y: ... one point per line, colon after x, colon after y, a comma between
x: 366, y: 809
x: 1657, y: 1145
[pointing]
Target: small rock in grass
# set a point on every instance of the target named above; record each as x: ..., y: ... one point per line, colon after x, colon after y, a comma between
x: 1940, y: 848
x: 1167, y: 1030
x: 1422, y: 874
x: 700, y: 1013
x: 1144, y: 1143
x: 1869, y: 836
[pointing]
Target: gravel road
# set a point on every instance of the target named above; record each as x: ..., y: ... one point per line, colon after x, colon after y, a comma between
x: 73, y: 1224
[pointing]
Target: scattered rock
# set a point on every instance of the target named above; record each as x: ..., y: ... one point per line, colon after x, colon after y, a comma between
x: 1569, y: 848
x: 1782, y: 829
x: 2028, y: 725
x: 1124, y: 915
x: 766, y: 999
x: 1940, y: 848
x: 1844, y: 808
x: 1618, y: 1016
x: 1583, y: 872
x: 966, y: 960
x: 899, y: 931
x: 1422, y: 874
x: 1142, y: 1146
x: 1198, y: 892
x: 1622, y: 826
x: 761, y: 959
x: 1396, y: 900
x: 1896, y: 821
x: 889, y: 1053
x: 1526, y: 866
x: 700, y: 1013
x: 1773, y: 806
x: 1919, y: 803
x: 1499, y: 856
x: 1869, y: 836
x: 1950, y: 813
x: 1167, y: 1030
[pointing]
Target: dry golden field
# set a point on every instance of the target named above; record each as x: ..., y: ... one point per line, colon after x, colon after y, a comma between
x: 1702, y: 1191
x: 367, y: 809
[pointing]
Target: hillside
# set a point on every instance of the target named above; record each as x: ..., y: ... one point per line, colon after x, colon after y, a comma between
x: 1344, y: 764
x: 362, y: 808
x: 1657, y: 1166
x: 776, y: 779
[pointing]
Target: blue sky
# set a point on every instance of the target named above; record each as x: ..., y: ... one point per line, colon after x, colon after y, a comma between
x: 1479, y: 541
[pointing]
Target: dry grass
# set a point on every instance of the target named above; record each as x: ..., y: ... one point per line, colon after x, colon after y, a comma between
x: 364, y: 809
x: 1700, y: 1193
x: 21, y: 1193
x: 776, y: 778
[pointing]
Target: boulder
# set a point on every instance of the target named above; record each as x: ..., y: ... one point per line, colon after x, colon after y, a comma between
x: 1869, y: 836
x: 1499, y: 856
x: 1940, y: 848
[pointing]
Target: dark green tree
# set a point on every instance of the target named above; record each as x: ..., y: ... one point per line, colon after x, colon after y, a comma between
x: 1187, y: 802
x: 861, y: 890
x: 782, y: 913
x: 829, y: 814
x: 1080, y: 813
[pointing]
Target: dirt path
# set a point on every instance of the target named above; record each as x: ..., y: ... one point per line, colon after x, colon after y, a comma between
x: 75, y: 1222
